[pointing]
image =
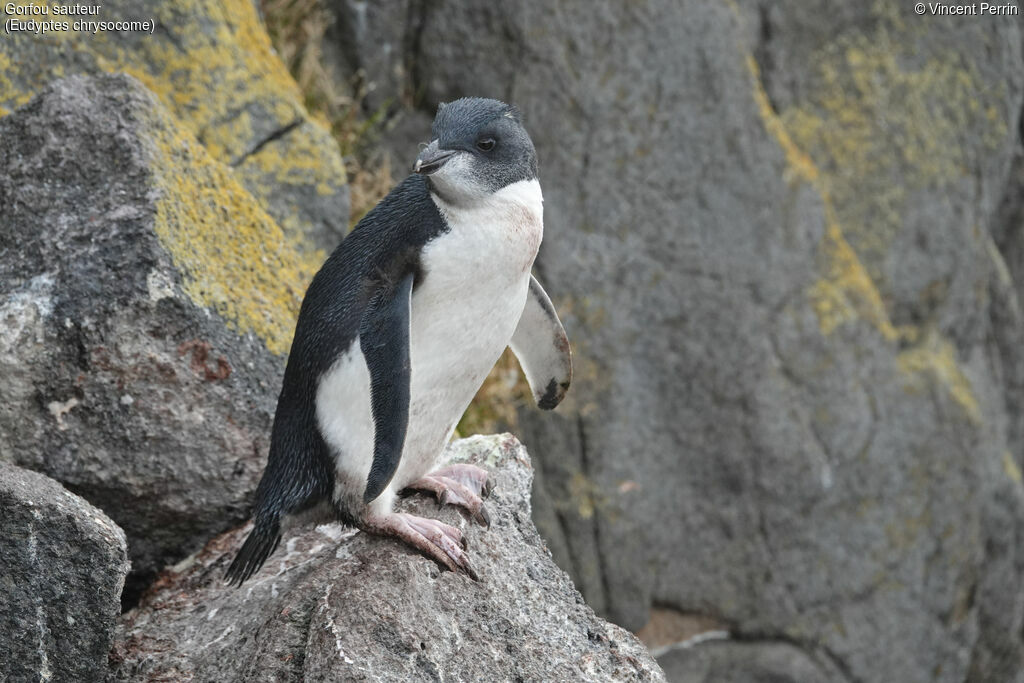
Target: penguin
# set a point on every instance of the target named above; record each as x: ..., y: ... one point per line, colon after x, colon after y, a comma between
x: 397, y: 332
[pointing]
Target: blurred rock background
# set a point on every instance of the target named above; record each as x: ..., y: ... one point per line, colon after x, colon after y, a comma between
x: 785, y: 239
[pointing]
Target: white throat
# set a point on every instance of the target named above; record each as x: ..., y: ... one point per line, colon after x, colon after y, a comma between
x: 520, y: 202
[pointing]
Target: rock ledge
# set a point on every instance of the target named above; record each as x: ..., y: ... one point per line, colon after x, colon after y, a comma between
x: 336, y: 604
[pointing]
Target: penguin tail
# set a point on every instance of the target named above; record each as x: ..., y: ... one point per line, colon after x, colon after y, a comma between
x: 262, y: 541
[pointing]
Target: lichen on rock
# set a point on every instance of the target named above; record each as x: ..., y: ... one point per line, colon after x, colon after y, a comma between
x: 147, y: 303
x: 212, y: 66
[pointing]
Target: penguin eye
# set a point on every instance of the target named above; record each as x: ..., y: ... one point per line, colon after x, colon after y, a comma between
x: 485, y: 144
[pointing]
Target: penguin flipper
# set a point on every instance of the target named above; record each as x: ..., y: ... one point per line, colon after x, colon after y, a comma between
x: 384, y: 341
x: 542, y: 347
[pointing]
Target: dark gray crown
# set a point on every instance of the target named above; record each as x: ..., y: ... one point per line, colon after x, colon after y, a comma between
x: 465, y: 116
x: 461, y: 125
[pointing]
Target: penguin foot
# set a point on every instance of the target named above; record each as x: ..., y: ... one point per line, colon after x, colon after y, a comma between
x: 476, y: 478
x: 462, y: 485
x: 437, y: 540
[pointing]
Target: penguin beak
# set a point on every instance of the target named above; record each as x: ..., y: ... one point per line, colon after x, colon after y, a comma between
x: 432, y: 159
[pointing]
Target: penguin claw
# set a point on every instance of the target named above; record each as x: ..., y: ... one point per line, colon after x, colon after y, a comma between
x: 441, y: 542
x: 461, y: 485
x: 482, y: 517
x: 474, y: 478
x: 470, y: 571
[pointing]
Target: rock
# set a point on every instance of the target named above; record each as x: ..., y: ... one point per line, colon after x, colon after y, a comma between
x: 335, y: 604
x: 723, y: 661
x: 797, y: 400
x: 145, y: 304
x: 212, y: 65
x: 365, y: 46
x: 62, y: 567
x: 366, y: 49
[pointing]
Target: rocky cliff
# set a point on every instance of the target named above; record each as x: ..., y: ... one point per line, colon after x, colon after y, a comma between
x: 212, y: 66
x: 339, y: 605
x: 144, y: 295
x: 786, y: 241
x: 784, y: 237
x: 62, y: 568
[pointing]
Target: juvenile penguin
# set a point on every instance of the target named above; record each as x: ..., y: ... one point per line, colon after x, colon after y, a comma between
x: 399, y: 329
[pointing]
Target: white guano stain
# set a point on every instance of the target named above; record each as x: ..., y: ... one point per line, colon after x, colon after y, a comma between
x: 45, y: 673
x: 22, y: 314
x: 693, y: 641
x: 159, y: 286
x: 221, y: 637
x: 61, y: 408
x: 333, y: 627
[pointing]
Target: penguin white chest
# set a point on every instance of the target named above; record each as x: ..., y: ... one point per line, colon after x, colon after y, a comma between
x: 476, y: 278
x: 464, y: 311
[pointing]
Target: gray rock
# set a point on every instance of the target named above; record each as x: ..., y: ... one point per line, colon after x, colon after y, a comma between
x: 335, y: 604
x: 62, y: 567
x: 797, y: 401
x: 373, y: 48
x: 142, y: 292
x: 724, y: 661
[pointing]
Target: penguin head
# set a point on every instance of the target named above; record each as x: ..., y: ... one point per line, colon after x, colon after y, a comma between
x: 478, y: 147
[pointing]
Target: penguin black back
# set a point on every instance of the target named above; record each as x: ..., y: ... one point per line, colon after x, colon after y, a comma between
x: 380, y: 251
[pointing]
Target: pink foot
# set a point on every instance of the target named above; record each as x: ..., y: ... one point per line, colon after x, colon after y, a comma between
x: 461, y: 485
x: 437, y: 540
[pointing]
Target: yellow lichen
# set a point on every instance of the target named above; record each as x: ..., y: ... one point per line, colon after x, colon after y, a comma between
x: 797, y: 162
x: 936, y: 358
x: 1011, y: 468
x: 232, y: 256
x: 205, y: 76
x: 301, y: 162
x: 585, y: 497
x: 6, y: 87
x: 883, y: 120
x: 213, y: 68
x: 877, y: 129
x: 846, y: 292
